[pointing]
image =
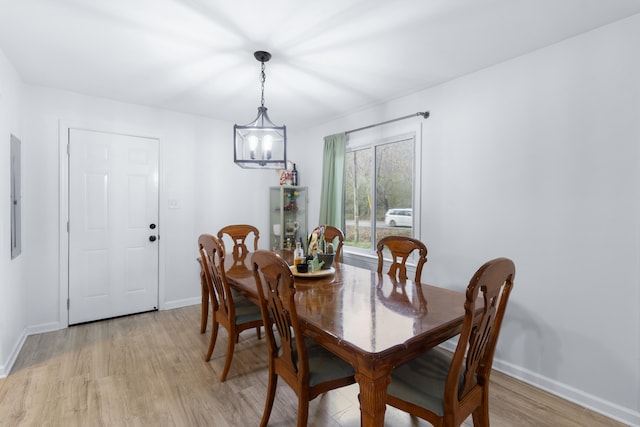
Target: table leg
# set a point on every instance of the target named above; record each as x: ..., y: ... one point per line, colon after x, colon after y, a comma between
x: 373, y: 394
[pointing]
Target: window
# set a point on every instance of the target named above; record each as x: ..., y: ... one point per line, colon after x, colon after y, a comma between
x: 380, y: 190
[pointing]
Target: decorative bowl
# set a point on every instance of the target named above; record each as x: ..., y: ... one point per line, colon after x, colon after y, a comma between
x: 328, y: 260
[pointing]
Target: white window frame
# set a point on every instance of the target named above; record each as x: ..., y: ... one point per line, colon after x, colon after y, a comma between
x: 367, y: 257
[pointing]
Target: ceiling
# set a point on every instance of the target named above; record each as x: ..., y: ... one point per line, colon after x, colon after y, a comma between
x: 330, y: 57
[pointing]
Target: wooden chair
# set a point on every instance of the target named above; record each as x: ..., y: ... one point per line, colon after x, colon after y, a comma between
x: 445, y: 389
x: 308, y: 368
x: 330, y: 235
x: 239, y: 234
x: 235, y: 313
x: 401, y: 247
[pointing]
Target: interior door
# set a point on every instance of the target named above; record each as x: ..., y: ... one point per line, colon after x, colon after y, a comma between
x: 113, y: 225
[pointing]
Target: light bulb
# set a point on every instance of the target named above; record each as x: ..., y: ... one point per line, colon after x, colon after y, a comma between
x: 253, y: 144
x: 268, y: 142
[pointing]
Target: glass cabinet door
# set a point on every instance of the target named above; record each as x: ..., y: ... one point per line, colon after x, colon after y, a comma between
x: 288, y: 217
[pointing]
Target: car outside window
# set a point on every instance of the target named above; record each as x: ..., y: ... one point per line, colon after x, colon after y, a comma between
x: 399, y: 218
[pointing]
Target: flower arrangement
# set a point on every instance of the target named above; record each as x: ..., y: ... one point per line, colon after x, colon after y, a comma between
x: 316, y: 242
x: 286, y: 175
x: 319, y: 250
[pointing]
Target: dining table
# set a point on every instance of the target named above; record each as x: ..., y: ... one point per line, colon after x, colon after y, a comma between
x: 368, y: 319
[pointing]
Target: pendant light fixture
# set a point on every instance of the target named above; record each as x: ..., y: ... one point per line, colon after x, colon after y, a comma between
x: 260, y: 144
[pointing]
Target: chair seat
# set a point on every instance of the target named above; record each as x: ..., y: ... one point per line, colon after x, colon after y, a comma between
x: 239, y: 299
x: 236, y: 294
x: 246, y: 311
x: 325, y: 366
x: 421, y: 381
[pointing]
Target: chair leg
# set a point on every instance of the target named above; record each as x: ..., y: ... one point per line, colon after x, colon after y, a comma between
x: 481, y: 414
x: 231, y: 343
x: 271, y: 394
x: 212, y: 340
x: 258, y: 332
x: 303, y: 411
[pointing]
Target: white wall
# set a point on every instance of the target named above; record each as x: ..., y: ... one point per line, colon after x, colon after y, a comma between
x: 13, y: 319
x: 537, y: 159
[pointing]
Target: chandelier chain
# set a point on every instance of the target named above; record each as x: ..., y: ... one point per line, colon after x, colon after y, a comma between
x: 262, y: 79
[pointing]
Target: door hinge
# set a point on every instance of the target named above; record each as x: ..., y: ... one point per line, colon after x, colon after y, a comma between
x: 68, y: 303
x: 68, y: 149
x: 67, y: 226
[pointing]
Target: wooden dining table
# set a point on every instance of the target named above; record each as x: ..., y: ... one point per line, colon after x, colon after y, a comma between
x: 367, y: 319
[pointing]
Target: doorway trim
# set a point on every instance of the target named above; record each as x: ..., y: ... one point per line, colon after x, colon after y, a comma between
x: 63, y: 207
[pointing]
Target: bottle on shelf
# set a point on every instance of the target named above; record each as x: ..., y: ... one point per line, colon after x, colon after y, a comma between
x: 294, y: 176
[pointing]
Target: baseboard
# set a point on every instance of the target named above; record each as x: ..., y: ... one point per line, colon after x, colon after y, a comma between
x: 181, y: 303
x: 579, y: 397
x: 31, y: 330
x: 44, y: 327
x: 6, y: 368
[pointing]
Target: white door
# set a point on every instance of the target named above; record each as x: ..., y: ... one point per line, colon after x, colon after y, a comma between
x: 113, y: 225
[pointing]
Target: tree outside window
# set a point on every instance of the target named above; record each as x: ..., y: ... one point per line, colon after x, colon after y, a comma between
x: 379, y: 180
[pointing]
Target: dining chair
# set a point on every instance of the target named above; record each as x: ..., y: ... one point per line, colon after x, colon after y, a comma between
x: 308, y: 368
x: 332, y: 233
x: 234, y: 312
x: 239, y: 234
x: 400, y: 248
x: 445, y: 388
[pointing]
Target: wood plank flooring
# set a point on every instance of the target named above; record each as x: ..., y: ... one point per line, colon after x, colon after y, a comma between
x: 149, y: 370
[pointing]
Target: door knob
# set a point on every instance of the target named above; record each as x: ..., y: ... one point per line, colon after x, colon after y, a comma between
x: 152, y: 226
x: 152, y: 238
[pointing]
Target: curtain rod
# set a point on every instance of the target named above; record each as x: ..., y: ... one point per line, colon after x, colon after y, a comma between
x: 424, y: 114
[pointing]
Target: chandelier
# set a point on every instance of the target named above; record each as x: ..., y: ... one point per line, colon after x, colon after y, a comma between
x: 260, y: 144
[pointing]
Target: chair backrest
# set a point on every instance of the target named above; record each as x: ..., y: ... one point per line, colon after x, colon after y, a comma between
x: 330, y: 235
x: 400, y: 248
x: 212, y: 254
x: 473, y: 356
x: 239, y: 234
x: 276, y: 292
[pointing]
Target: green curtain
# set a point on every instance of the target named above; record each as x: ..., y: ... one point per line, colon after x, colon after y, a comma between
x: 332, y: 191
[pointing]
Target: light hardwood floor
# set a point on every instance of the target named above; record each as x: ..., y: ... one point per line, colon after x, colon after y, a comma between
x: 149, y: 370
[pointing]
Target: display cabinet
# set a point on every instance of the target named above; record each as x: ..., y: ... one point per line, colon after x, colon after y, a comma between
x: 288, y: 216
